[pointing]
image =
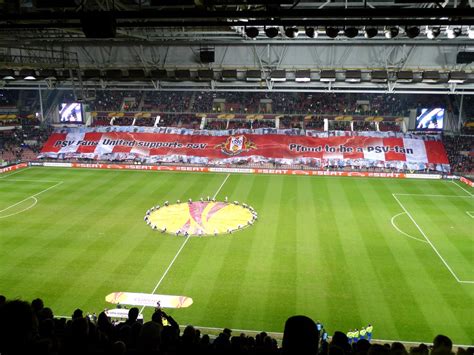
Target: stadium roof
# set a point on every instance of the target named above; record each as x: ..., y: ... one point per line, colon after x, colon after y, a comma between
x: 136, y: 39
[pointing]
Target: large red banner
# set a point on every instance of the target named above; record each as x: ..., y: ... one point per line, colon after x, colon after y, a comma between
x: 99, y: 145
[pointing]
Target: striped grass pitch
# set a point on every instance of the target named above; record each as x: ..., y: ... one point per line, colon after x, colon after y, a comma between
x: 346, y: 251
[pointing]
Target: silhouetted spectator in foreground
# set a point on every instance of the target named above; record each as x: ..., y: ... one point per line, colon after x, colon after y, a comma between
x: 132, y: 316
x: 300, y: 336
x: 18, y: 328
x: 442, y: 345
x: 340, y: 340
x: 377, y: 349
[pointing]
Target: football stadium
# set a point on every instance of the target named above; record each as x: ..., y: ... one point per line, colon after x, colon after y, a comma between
x: 236, y: 177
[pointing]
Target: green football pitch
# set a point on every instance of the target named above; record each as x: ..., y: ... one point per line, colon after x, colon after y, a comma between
x: 346, y: 251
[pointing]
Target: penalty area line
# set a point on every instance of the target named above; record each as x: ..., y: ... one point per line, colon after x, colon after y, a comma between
x: 31, y: 197
x: 180, y: 249
x: 429, y: 242
x: 402, y: 232
x: 455, y: 183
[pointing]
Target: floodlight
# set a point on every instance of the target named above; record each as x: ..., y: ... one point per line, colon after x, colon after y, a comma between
x: 28, y: 74
x: 371, y: 32
x: 412, y: 31
x: 453, y: 32
x: 291, y: 32
x: 391, y: 32
x: 432, y: 33
x: 311, y: 32
x: 251, y: 32
x: 7, y: 74
x: 332, y: 32
x: 271, y: 32
x: 351, y: 32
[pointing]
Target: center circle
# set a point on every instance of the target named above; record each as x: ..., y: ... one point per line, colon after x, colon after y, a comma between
x: 200, y: 218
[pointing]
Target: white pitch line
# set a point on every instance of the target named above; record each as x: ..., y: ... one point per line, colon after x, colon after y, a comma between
x: 428, y: 240
x: 220, y: 187
x: 402, y: 232
x: 180, y: 249
x: 32, y: 196
x: 23, y: 210
x: 455, y: 183
x: 170, y: 265
x: 29, y: 180
x: 16, y: 172
x: 428, y: 195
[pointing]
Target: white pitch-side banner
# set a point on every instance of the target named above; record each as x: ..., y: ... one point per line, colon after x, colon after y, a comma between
x: 149, y: 300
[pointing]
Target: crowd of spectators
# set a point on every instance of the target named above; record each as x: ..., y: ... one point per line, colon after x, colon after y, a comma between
x: 167, y: 101
x: 266, y: 102
x: 314, y: 103
x: 31, y: 328
x: 189, y: 120
x: 287, y: 103
x: 291, y: 122
x: 116, y: 100
x: 216, y: 125
x: 386, y: 126
x: 22, y: 143
x: 314, y: 123
x: 460, y: 150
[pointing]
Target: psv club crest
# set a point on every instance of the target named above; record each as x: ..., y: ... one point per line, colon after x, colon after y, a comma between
x: 235, y: 145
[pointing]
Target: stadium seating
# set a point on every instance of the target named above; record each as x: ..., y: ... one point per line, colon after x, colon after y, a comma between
x: 460, y: 149
x: 31, y: 328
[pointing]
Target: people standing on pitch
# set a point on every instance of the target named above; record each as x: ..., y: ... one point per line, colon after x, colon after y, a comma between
x: 319, y: 326
x: 369, y: 329
x: 324, y: 335
x: 355, y: 335
x: 362, y: 333
x: 350, y: 336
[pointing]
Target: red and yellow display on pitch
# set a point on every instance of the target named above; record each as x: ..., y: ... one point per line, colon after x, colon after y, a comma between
x: 201, y: 218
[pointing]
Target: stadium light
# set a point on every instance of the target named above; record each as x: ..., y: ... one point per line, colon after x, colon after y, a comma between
x: 332, y: 32
x: 7, y: 74
x: 453, y: 32
x: 328, y: 76
x: 251, y: 32
x: 470, y: 32
x: 353, y: 76
x: 432, y: 33
x: 28, y: 74
x: 351, y: 32
x: 254, y: 75
x: 278, y: 75
x: 271, y: 32
x: 412, y: 31
x: 391, y: 32
x: 379, y: 76
x: 291, y: 32
x: 405, y: 76
x: 303, y: 76
x: 430, y: 76
x: 311, y: 32
x: 371, y: 32
x: 457, y: 77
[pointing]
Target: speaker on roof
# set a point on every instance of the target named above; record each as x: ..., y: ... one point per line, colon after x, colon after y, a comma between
x: 98, y: 24
x: 465, y: 58
x: 206, y: 56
